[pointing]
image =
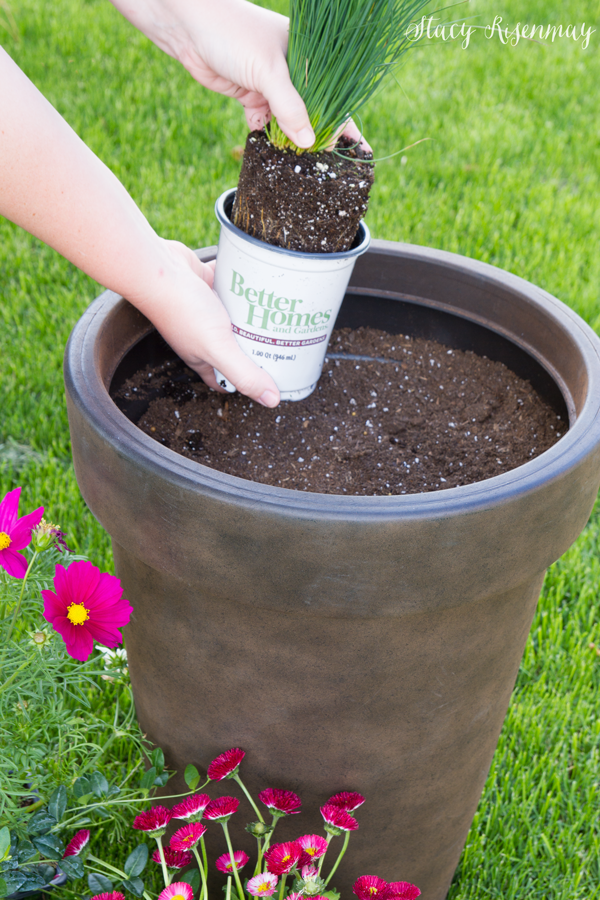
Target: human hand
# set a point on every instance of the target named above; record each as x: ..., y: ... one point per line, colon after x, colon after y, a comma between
x: 232, y: 47
x: 194, y: 322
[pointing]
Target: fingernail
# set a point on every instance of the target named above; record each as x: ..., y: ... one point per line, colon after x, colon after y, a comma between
x: 268, y: 398
x: 305, y: 137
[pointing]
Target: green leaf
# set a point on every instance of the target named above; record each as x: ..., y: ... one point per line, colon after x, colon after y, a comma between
x: 50, y: 846
x: 136, y: 861
x: 192, y: 878
x: 41, y: 823
x: 157, y: 758
x: 147, y: 779
x: 84, y: 799
x: 162, y: 779
x: 13, y: 881
x: 99, y: 884
x: 4, y: 843
x: 57, y: 803
x: 134, y: 886
x: 25, y: 851
x: 3, y: 888
x: 331, y: 894
x: 102, y: 812
x: 72, y: 866
x: 98, y: 784
x: 82, y: 787
x: 192, y: 777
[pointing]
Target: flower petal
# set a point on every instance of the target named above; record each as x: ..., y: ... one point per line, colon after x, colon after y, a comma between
x: 9, y: 510
x: 20, y: 535
x: 14, y: 563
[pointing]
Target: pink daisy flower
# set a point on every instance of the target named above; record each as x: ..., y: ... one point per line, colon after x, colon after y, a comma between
x: 338, y: 818
x: 77, y: 843
x: 88, y: 605
x: 192, y: 808
x: 221, y: 808
x: 278, y: 801
x: 154, y: 821
x: 180, y: 890
x: 348, y: 800
x: 114, y: 895
x: 313, y: 847
x: 402, y: 890
x: 370, y: 887
x: 175, y: 859
x: 224, y: 864
x: 187, y: 837
x: 15, y: 533
x: 225, y: 765
x: 282, y: 858
x: 261, y: 885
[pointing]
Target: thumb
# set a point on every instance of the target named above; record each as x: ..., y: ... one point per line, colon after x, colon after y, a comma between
x: 287, y: 106
x: 241, y: 371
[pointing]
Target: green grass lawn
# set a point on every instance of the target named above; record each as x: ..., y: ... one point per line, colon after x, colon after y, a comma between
x: 510, y: 176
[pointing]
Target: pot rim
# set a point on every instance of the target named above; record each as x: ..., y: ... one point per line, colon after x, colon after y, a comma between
x: 87, y: 388
x: 363, y: 236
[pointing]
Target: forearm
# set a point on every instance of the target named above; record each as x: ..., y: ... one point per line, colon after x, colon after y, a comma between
x: 52, y: 185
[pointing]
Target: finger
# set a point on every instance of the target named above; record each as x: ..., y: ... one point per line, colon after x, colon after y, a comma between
x: 247, y: 377
x: 353, y: 133
x: 287, y: 105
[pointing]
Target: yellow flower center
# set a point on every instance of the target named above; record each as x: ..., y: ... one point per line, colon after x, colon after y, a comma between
x: 5, y: 541
x: 178, y: 897
x: 78, y: 614
x: 265, y: 886
x: 373, y: 889
x: 285, y: 858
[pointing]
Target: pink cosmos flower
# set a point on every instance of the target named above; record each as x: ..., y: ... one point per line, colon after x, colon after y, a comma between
x: 192, y: 808
x: 187, y: 837
x: 338, y: 818
x: 179, y: 890
x: 225, y: 765
x: 370, y: 887
x: 15, y: 533
x: 114, y: 895
x: 88, y: 605
x: 348, y: 800
x: 278, y: 801
x: 154, y: 821
x: 221, y: 808
x: 282, y: 858
x: 261, y: 885
x: 77, y: 843
x: 402, y: 890
x: 313, y: 847
x: 175, y: 859
x: 224, y: 864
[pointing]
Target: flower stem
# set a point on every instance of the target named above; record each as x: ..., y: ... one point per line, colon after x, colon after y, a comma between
x: 247, y: 793
x: 238, y: 883
x: 282, y: 886
x: 337, y: 862
x: 10, y: 680
x: 163, y: 863
x: 20, y: 600
x: 322, y: 860
x: 228, y: 894
x: 267, y: 843
x: 204, y: 891
x: 204, y: 859
x: 259, y: 856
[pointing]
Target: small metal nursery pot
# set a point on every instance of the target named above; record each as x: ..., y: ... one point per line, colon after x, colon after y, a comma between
x: 346, y: 643
x: 282, y: 303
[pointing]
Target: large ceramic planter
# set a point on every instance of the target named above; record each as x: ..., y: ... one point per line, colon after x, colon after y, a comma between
x: 361, y: 643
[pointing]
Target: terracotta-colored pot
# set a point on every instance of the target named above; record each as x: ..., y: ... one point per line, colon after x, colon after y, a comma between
x: 359, y: 643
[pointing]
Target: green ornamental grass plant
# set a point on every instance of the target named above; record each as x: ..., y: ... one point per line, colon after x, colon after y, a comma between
x: 339, y: 52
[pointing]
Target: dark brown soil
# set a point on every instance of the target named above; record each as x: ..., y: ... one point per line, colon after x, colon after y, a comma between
x: 413, y: 417
x: 311, y: 202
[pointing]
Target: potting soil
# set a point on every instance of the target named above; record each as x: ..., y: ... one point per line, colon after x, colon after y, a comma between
x: 413, y: 417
